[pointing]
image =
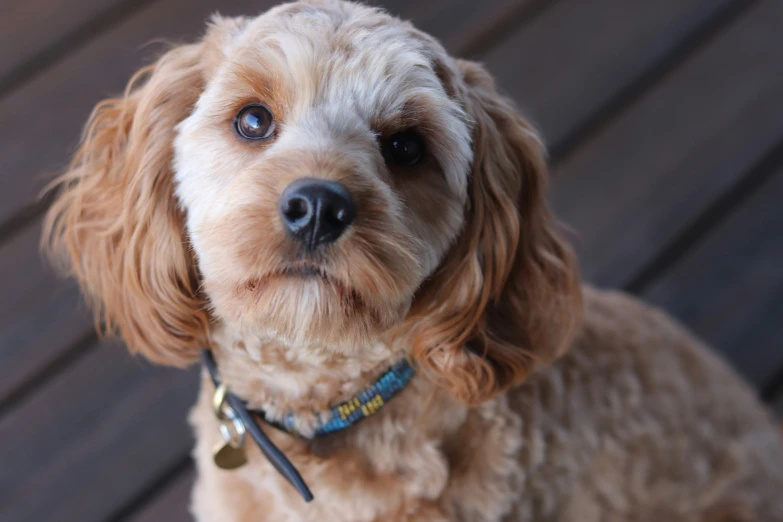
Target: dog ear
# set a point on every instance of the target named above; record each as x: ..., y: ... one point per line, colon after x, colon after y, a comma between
x: 115, y: 224
x: 507, y: 297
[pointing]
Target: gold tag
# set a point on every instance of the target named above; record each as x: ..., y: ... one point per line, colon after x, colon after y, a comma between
x: 230, y: 453
x: 228, y: 456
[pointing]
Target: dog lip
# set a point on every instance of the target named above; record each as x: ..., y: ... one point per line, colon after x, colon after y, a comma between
x: 349, y: 297
x: 306, y: 271
x: 299, y: 271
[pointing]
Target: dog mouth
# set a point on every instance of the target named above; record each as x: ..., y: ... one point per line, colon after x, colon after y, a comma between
x: 305, y: 271
x: 300, y: 271
x: 347, y: 294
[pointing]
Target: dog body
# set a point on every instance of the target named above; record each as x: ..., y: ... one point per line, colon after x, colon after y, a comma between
x: 613, y: 431
x: 321, y: 191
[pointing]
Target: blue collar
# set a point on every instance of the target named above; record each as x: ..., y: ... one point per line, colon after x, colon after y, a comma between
x: 350, y: 412
x: 340, y: 417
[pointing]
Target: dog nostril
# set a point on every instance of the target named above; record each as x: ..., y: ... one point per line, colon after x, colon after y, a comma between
x: 296, y: 208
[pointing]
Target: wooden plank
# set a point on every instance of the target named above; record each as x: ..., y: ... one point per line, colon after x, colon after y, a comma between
x: 632, y: 186
x: 577, y: 56
x: 108, y: 421
x: 41, y: 316
x: 171, y: 505
x: 31, y: 27
x: 461, y: 25
x: 729, y: 287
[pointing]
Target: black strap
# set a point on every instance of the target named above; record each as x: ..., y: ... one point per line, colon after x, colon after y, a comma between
x: 268, y: 448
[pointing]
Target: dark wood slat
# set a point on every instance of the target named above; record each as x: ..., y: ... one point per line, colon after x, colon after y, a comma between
x: 31, y: 27
x: 41, y: 316
x: 729, y: 287
x: 641, y: 179
x: 171, y: 505
x: 577, y: 55
x: 107, y: 421
x: 462, y: 24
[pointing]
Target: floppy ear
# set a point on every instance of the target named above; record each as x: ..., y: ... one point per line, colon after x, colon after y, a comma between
x: 507, y: 297
x: 115, y: 224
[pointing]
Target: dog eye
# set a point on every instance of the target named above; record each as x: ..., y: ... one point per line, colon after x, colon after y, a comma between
x: 255, y: 122
x: 405, y: 148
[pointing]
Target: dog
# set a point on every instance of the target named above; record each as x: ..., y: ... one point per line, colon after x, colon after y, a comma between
x: 321, y: 193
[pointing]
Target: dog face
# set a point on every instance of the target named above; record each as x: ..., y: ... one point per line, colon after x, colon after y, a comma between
x: 324, y: 176
x: 323, y: 173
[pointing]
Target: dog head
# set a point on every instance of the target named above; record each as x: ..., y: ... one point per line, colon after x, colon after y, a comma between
x: 323, y: 175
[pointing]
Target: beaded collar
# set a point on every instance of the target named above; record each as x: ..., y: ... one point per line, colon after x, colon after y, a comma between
x: 360, y: 407
x: 232, y: 411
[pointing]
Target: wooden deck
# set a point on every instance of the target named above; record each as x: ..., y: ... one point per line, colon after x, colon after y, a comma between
x: 665, y: 123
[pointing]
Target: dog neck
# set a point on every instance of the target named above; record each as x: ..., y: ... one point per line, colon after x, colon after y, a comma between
x: 417, y: 453
x: 297, y: 382
x: 419, y: 447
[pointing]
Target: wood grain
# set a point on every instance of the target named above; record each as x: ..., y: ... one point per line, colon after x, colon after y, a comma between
x: 461, y: 25
x: 87, y: 439
x: 729, y: 287
x: 171, y: 505
x: 631, y: 187
x: 41, y: 316
x: 31, y: 28
x: 577, y: 56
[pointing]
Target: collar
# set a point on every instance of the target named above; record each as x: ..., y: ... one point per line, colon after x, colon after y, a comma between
x: 338, y: 418
x: 358, y: 408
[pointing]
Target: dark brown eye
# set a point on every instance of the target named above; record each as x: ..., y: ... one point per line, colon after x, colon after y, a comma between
x: 255, y: 122
x: 405, y: 148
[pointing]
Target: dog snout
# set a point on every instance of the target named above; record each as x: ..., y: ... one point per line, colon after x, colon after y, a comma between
x: 316, y: 212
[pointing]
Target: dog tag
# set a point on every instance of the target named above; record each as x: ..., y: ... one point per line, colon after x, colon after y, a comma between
x: 227, y: 456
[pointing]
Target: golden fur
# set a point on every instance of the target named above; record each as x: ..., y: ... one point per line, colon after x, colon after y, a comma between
x: 520, y: 410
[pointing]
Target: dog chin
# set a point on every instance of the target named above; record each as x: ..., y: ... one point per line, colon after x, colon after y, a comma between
x: 311, y: 309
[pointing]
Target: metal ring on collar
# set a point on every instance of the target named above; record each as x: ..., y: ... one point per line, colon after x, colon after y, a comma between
x: 218, y: 400
x: 237, y: 437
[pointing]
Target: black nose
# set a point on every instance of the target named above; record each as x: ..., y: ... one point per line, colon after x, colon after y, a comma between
x: 316, y: 212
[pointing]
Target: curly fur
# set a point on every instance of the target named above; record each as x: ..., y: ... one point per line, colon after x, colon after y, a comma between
x: 530, y: 404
